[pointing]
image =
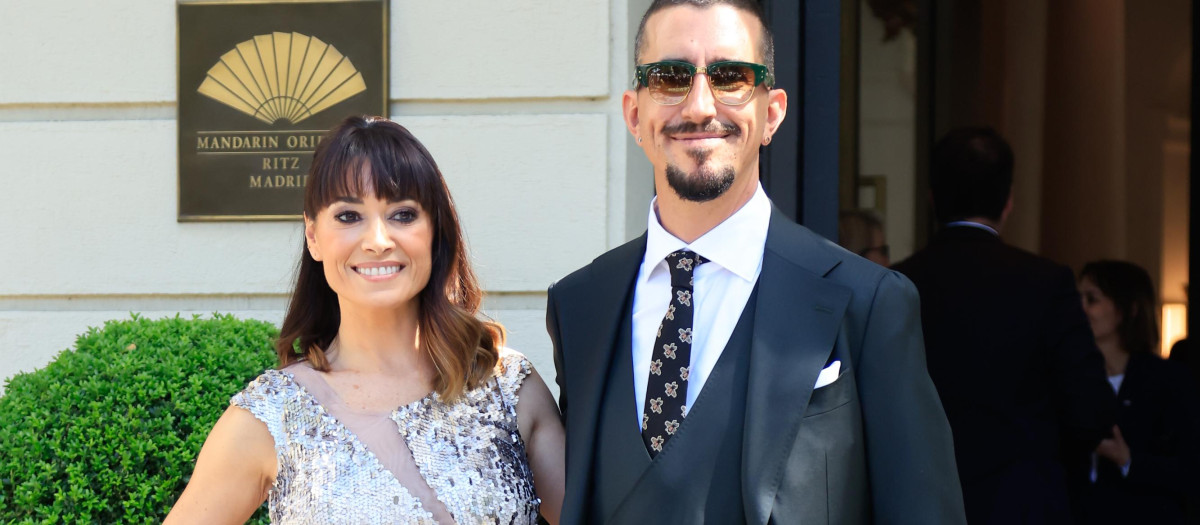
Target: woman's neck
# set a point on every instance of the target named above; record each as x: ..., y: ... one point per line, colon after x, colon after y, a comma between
x: 372, y: 340
x: 1115, y: 357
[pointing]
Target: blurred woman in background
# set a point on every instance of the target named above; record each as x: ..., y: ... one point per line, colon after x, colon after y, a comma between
x: 1143, y: 473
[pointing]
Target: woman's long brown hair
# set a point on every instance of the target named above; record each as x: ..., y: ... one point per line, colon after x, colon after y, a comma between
x: 1131, y: 290
x: 464, y: 349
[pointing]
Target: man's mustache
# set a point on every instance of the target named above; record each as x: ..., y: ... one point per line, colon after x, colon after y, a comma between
x: 712, y: 126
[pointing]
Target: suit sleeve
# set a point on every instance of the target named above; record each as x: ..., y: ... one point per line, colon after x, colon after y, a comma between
x: 910, y: 450
x: 556, y: 342
x: 1087, y: 405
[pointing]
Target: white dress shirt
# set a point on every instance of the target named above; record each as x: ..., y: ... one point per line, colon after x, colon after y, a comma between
x: 721, y: 288
x: 1115, y: 382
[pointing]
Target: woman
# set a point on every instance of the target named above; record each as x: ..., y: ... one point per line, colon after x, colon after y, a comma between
x: 393, y: 403
x: 1143, y: 473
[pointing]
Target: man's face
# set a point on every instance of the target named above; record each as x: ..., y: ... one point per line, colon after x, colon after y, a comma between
x: 702, y: 148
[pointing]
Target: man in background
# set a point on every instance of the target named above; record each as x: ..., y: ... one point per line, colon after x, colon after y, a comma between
x: 861, y: 232
x: 1007, y: 343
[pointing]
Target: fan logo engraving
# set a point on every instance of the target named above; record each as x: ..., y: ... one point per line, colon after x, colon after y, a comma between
x: 282, y: 76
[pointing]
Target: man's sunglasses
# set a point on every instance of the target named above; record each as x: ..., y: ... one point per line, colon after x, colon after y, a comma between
x: 732, y: 83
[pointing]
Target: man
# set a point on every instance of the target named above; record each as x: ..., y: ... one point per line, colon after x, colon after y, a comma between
x: 763, y: 375
x: 861, y: 232
x: 1008, y: 344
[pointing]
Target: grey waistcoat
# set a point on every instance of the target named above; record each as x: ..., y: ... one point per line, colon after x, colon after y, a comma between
x: 697, y: 477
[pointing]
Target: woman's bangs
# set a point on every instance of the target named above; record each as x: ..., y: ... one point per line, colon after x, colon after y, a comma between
x: 390, y: 173
x: 398, y: 173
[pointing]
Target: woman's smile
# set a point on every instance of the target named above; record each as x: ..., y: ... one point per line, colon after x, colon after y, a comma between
x: 378, y: 271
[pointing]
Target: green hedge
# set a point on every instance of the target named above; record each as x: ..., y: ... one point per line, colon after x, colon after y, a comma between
x: 109, y: 431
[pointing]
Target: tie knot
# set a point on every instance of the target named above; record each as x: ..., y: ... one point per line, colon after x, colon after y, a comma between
x: 682, y: 263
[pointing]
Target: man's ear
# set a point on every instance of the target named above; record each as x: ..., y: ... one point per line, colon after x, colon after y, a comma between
x: 629, y: 109
x: 776, y: 110
x: 310, y: 238
x: 1008, y: 208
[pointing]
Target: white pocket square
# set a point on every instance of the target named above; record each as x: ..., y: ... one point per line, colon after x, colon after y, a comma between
x: 829, y: 374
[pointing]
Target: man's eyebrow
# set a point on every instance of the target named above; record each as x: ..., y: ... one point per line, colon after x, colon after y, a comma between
x: 722, y: 58
x: 713, y: 61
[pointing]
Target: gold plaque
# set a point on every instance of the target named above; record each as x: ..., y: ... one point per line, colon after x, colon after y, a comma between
x: 259, y: 84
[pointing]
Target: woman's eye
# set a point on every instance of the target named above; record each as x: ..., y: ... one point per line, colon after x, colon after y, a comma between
x: 346, y: 217
x: 405, y: 215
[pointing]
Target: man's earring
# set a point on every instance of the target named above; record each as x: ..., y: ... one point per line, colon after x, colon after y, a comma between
x: 767, y: 140
x: 639, y: 139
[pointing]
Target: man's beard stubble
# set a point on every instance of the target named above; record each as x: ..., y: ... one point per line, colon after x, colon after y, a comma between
x: 703, y: 186
x: 708, y: 182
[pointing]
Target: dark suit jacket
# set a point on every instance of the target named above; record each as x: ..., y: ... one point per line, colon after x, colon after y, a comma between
x: 1157, y: 416
x: 873, y: 443
x: 1186, y: 353
x: 1014, y: 360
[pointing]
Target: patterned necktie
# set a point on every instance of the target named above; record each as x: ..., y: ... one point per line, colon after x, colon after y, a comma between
x: 666, y: 391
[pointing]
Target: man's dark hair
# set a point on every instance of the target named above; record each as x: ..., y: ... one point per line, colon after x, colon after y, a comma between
x: 766, y: 47
x: 971, y: 174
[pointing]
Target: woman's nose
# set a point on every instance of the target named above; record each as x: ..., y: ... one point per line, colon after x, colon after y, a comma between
x: 376, y: 238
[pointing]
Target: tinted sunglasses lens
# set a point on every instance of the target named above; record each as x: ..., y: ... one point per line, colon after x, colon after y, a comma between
x: 669, y: 84
x: 732, y: 83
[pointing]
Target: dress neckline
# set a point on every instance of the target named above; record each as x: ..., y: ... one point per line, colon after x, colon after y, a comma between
x: 402, y: 408
x: 373, y: 460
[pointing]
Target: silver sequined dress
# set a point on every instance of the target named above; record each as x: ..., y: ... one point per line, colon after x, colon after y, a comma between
x: 426, y: 462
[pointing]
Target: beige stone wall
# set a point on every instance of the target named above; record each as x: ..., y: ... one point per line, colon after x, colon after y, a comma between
x: 518, y: 101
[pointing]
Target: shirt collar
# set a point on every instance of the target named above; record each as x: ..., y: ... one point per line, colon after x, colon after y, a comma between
x: 972, y: 224
x: 735, y: 244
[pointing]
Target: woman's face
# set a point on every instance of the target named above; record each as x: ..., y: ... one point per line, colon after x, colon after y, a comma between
x: 375, y: 253
x: 1102, y: 314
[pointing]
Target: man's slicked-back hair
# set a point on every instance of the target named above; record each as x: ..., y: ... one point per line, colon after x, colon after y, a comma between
x: 766, y: 47
x: 971, y: 174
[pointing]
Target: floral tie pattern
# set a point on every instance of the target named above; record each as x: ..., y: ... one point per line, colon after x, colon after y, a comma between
x: 666, y: 391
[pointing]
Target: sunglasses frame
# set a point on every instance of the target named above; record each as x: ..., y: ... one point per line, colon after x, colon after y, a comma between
x: 761, y: 76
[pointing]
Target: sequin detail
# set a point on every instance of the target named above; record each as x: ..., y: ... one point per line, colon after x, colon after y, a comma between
x: 469, y: 452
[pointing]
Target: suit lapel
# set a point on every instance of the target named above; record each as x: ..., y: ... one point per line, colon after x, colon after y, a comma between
x: 595, y: 309
x: 797, y: 318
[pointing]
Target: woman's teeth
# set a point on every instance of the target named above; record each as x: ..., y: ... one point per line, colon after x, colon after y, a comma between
x: 382, y: 270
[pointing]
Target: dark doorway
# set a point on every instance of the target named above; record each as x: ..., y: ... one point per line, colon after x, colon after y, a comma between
x: 800, y: 168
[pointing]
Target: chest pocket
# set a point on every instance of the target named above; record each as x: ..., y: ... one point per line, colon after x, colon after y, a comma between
x: 833, y: 395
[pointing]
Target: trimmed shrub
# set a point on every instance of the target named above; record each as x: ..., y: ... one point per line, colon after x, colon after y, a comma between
x: 109, y: 431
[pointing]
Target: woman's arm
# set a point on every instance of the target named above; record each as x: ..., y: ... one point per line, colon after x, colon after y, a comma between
x: 537, y: 416
x: 234, y: 471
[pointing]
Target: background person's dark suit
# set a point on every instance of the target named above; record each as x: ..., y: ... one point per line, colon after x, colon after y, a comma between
x: 1013, y: 358
x: 874, y: 444
x: 1157, y: 418
x: 1185, y: 352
